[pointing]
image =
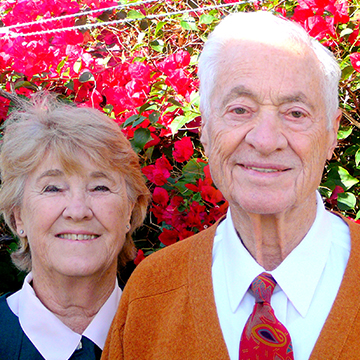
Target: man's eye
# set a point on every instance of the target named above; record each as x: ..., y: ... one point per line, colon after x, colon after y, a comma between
x: 102, y: 188
x: 297, y: 114
x: 51, y: 188
x: 239, y: 111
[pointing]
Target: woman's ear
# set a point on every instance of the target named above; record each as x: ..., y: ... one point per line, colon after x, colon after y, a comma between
x: 130, y: 210
x: 18, y: 221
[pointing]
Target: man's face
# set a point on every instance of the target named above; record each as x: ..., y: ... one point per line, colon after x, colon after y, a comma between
x: 267, y: 138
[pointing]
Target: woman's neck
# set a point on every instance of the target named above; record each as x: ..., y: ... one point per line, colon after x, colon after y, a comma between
x: 75, y: 301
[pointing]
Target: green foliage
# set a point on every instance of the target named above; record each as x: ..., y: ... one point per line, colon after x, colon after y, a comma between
x: 141, y: 71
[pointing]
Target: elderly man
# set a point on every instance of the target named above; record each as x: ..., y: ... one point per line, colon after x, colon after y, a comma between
x: 278, y: 277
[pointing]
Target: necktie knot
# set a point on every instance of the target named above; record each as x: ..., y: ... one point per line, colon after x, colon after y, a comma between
x: 264, y: 336
x: 263, y: 287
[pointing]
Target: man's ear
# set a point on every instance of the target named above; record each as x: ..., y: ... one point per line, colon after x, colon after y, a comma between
x: 204, y: 134
x: 333, y: 136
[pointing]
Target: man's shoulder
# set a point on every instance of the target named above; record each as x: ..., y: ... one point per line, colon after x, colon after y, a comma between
x: 354, y: 226
x: 168, y: 269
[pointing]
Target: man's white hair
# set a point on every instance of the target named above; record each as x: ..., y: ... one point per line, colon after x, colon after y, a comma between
x: 266, y: 28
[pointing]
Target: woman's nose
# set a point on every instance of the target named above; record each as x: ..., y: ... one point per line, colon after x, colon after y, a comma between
x: 77, y: 207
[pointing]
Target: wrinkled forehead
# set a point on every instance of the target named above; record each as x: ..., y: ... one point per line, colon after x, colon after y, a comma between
x: 72, y: 161
x: 277, y: 69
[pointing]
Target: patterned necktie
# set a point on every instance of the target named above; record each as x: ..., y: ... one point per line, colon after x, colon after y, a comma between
x: 264, y: 337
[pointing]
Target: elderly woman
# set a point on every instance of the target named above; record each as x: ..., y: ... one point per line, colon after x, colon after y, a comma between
x: 73, y: 192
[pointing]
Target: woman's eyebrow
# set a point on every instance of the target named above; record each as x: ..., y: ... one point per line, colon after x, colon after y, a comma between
x: 50, y: 173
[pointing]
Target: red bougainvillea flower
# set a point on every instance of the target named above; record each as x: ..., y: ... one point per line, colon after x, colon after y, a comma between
x: 355, y: 61
x: 211, y: 195
x: 174, y: 61
x: 334, y: 196
x: 158, y: 173
x: 168, y: 237
x: 160, y: 196
x: 139, y: 257
x: 353, y: 37
x: 183, y: 149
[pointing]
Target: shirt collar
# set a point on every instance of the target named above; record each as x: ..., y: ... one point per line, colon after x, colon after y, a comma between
x: 298, y: 275
x: 52, y: 338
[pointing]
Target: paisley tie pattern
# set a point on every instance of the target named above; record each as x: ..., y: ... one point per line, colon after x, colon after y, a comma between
x: 264, y: 337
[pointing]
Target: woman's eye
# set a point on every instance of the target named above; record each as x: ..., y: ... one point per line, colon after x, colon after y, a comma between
x: 101, y: 188
x: 51, y: 188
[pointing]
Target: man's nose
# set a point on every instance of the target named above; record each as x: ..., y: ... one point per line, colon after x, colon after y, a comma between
x: 78, y: 207
x: 267, y: 133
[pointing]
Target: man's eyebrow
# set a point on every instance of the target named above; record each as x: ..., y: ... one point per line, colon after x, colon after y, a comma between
x: 236, y: 92
x: 296, y: 98
x: 239, y: 91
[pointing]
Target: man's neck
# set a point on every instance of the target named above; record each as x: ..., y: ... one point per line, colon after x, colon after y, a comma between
x: 270, y: 238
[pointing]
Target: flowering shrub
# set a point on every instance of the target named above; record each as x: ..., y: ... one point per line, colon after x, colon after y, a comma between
x: 137, y: 63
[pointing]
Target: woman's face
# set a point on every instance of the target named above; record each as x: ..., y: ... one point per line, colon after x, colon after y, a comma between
x: 75, y: 224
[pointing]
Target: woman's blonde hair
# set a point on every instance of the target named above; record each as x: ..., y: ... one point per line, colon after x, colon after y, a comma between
x: 44, y: 124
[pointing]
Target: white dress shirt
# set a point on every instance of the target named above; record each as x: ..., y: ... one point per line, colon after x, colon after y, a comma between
x: 51, y: 337
x: 307, y: 281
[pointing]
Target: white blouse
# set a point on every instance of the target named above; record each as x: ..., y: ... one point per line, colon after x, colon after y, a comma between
x: 51, y: 337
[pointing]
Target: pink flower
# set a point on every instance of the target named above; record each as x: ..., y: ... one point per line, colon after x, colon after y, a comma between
x: 334, y: 196
x: 183, y: 149
x: 355, y: 61
x: 158, y: 173
x: 160, y: 196
x: 168, y: 237
x: 139, y: 257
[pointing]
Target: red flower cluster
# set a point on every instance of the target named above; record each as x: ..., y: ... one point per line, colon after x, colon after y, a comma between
x: 181, y: 221
x: 158, y: 173
x: 111, y: 69
x: 311, y: 14
x: 183, y: 149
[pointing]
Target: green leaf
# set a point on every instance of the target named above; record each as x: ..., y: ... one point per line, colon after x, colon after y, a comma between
x: 178, y: 123
x: 159, y: 26
x: 154, y: 117
x: 206, y: 19
x: 141, y: 137
x: 138, y: 121
x: 70, y: 84
x: 346, y: 178
x: 147, y: 106
x: 197, y: 197
x: 346, y: 72
x: 346, y: 31
x: 108, y: 108
x: 77, y: 66
x: 86, y: 76
x: 130, y: 120
x: 193, y: 169
x: 357, y: 158
x: 357, y: 215
x: 175, y: 102
x: 133, y: 14
x: 188, y: 24
x: 25, y: 84
x: 344, y: 132
x: 346, y: 201
x: 61, y: 65
x: 157, y: 45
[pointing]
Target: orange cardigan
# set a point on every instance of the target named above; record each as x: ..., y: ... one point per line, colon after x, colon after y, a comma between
x: 168, y: 309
